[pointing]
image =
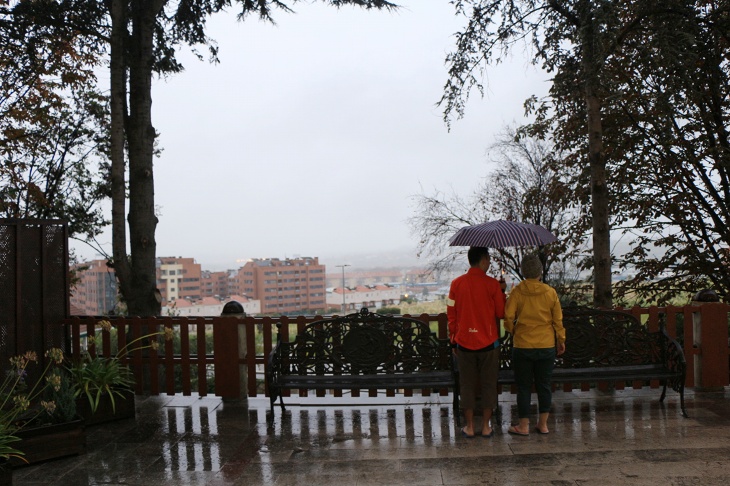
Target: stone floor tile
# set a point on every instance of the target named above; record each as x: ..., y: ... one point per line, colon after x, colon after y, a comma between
x: 424, y: 476
x: 616, y: 437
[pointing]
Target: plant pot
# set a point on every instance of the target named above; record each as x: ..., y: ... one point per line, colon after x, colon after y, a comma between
x: 48, y: 442
x: 124, y: 408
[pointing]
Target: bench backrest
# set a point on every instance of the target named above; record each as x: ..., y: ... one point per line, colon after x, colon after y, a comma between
x: 599, y: 338
x: 365, y: 343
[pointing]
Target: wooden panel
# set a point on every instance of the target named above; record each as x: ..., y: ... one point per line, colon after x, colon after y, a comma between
x: 251, y: 356
x: 169, y: 362
x: 154, y: 369
x: 185, y: 359
x: 225, y: 357
x: 202, y: 353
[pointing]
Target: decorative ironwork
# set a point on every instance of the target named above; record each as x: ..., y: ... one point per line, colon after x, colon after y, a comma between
x: 584, y: 335
x: 364, y: 343
x: 597, y: 338
x: 362, y: 348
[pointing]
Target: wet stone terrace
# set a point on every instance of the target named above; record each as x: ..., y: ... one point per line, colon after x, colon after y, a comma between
x: 622, y: 437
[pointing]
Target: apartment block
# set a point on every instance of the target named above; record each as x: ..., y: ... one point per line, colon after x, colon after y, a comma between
x: 178, y: 278
x: 218, y: 284
x: 284, y: 286
x: 95, y: 293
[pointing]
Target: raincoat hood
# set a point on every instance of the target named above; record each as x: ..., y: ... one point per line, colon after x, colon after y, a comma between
x: 531, y: 287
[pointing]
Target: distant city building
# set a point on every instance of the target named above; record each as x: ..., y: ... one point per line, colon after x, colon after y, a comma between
x: 403, y: 277
x: 178, y: 278
x: 95, y: 292
x: 218, y: 284
x: 209, y: 307
x: 284, y: 286
x: 370, y: 296
x: 268, y: 286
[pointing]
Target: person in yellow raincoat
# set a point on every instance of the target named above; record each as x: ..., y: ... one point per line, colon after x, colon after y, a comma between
x: 535, y: 319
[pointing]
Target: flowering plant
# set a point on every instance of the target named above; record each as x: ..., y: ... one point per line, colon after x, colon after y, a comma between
x: 16, y: 397
x: 97, y: 376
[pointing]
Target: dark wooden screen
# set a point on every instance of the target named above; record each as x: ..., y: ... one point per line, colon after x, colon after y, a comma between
x: 34, y: 287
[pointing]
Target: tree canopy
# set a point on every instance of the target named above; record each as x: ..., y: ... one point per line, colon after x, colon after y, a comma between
x: 638, y: 107
x: 53, y: 120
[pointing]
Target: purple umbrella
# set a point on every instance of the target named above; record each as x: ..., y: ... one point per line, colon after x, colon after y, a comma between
x: 502, y: 234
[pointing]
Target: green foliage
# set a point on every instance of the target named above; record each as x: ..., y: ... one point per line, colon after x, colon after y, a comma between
x: 97, y: 376
x: 63, y: 397
x: 417, y: 308
x: 53, y: 119
x: 650, y: 81
x: 388, y: 310
x: 674, y: 80
x: 19, y: 400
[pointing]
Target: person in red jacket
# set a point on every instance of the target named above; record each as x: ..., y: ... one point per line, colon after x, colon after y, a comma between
x: 474, y: 308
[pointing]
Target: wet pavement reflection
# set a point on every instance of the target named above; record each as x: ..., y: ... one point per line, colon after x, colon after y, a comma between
x: 620, y: 437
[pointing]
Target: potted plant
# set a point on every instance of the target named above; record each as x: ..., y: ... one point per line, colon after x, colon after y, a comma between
x: 26, y: 408
x: 104, y: 384
x: 56, y: 432
x: 103, y: 389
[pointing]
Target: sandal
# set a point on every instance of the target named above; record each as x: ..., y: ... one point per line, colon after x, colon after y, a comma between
x: 513, y: 430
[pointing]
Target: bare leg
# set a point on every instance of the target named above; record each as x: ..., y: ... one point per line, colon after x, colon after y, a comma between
x: 469, y: 416
x: 487, y: 414
x: 542, y: 423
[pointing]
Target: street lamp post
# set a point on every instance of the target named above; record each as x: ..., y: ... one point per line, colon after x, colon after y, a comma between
x: 343, y: 286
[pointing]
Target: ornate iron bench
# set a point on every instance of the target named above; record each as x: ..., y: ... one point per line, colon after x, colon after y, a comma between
x: 362, y: 351
x: 605, y: 346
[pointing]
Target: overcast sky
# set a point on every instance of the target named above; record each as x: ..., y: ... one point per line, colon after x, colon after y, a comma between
x: 311, y: 136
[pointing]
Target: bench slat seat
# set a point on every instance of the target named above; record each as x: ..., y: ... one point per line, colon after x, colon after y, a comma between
x: 434, y: 379
x: 562, y: 375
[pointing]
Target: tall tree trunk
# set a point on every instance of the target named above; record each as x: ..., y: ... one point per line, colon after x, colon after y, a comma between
x: 602, y: 291
x: 118, y: 82
x: 141, y: 134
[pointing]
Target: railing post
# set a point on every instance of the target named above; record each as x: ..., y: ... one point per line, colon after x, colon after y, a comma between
x: 710, y: 325
x: 235, y: 309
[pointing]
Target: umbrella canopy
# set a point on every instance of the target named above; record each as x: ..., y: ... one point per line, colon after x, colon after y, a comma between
x: 502, y: 234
